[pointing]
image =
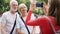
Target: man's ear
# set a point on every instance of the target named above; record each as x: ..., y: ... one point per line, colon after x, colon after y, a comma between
x: 18, y: 8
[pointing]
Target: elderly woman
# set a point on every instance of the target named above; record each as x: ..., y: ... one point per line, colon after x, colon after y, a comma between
x: 23, y: 12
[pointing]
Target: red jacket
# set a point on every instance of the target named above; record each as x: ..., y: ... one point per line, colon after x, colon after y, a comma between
x: 42, y: 22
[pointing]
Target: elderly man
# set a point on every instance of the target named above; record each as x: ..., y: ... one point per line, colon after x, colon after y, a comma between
x: 8, y: 18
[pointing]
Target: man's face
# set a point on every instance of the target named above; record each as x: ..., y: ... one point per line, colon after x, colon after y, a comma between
x: 14, y: 6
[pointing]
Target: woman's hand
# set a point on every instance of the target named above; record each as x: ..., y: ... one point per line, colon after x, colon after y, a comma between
x: 19, y: 31
x: 32, y: 4
x: 45, y: 8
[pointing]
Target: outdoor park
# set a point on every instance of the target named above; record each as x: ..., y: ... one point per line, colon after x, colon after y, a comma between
x: 29, y: 16
x: 4, y: 6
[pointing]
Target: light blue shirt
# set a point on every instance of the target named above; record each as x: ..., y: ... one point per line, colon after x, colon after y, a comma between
x: 22, y: 27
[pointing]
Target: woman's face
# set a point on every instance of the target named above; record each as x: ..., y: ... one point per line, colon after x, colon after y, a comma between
x: 23, y: 9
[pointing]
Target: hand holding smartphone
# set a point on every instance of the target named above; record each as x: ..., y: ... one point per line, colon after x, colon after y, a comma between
x: 32, y: 4
x: 39, y: 4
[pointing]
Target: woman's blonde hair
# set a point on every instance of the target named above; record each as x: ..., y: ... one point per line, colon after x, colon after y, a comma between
x: 21, y: 5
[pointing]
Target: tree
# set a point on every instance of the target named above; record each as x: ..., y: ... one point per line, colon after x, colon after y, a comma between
x: 4, y: 4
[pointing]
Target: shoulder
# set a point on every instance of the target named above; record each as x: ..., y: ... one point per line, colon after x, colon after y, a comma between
x: 46, y: 16
x: 45, y: 19
x: 51, y: 18
x: 5, y: 13
x: 17, y: 14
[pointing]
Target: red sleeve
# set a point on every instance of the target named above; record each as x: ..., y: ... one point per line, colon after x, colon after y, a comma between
x: 35, y: 22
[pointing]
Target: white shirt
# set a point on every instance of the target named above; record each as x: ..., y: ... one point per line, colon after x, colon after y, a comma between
x: 22, y: 27
x: 30, y: 27
x: 8, y: 19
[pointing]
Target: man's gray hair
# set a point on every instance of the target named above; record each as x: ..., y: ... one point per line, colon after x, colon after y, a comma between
x: 13, y: 1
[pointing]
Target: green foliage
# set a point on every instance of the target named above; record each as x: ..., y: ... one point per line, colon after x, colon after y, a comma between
x: 43, y: 0
x: 27, y: 2
x: 4, y: 4
x: 38, y: 11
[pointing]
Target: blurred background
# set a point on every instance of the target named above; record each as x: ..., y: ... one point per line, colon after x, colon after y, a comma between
x: 4, y: 6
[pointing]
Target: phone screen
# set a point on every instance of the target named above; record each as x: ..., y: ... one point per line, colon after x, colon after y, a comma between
x: 39, y: 4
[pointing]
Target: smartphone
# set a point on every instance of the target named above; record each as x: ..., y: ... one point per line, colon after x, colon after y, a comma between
x: 39, y: 4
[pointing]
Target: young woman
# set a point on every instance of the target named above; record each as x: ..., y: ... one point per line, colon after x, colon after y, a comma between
x: 53, y: 15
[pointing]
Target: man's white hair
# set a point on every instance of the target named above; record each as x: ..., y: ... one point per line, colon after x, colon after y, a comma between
x: 13, y: 1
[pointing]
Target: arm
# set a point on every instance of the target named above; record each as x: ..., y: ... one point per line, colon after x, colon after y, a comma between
x: 19, y: 31
x: 33, y: 31
x: 32, y: 22
x: 3, y: 29
x: 37, y: 21
x: 3, y: 24
x: 32, y: 6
